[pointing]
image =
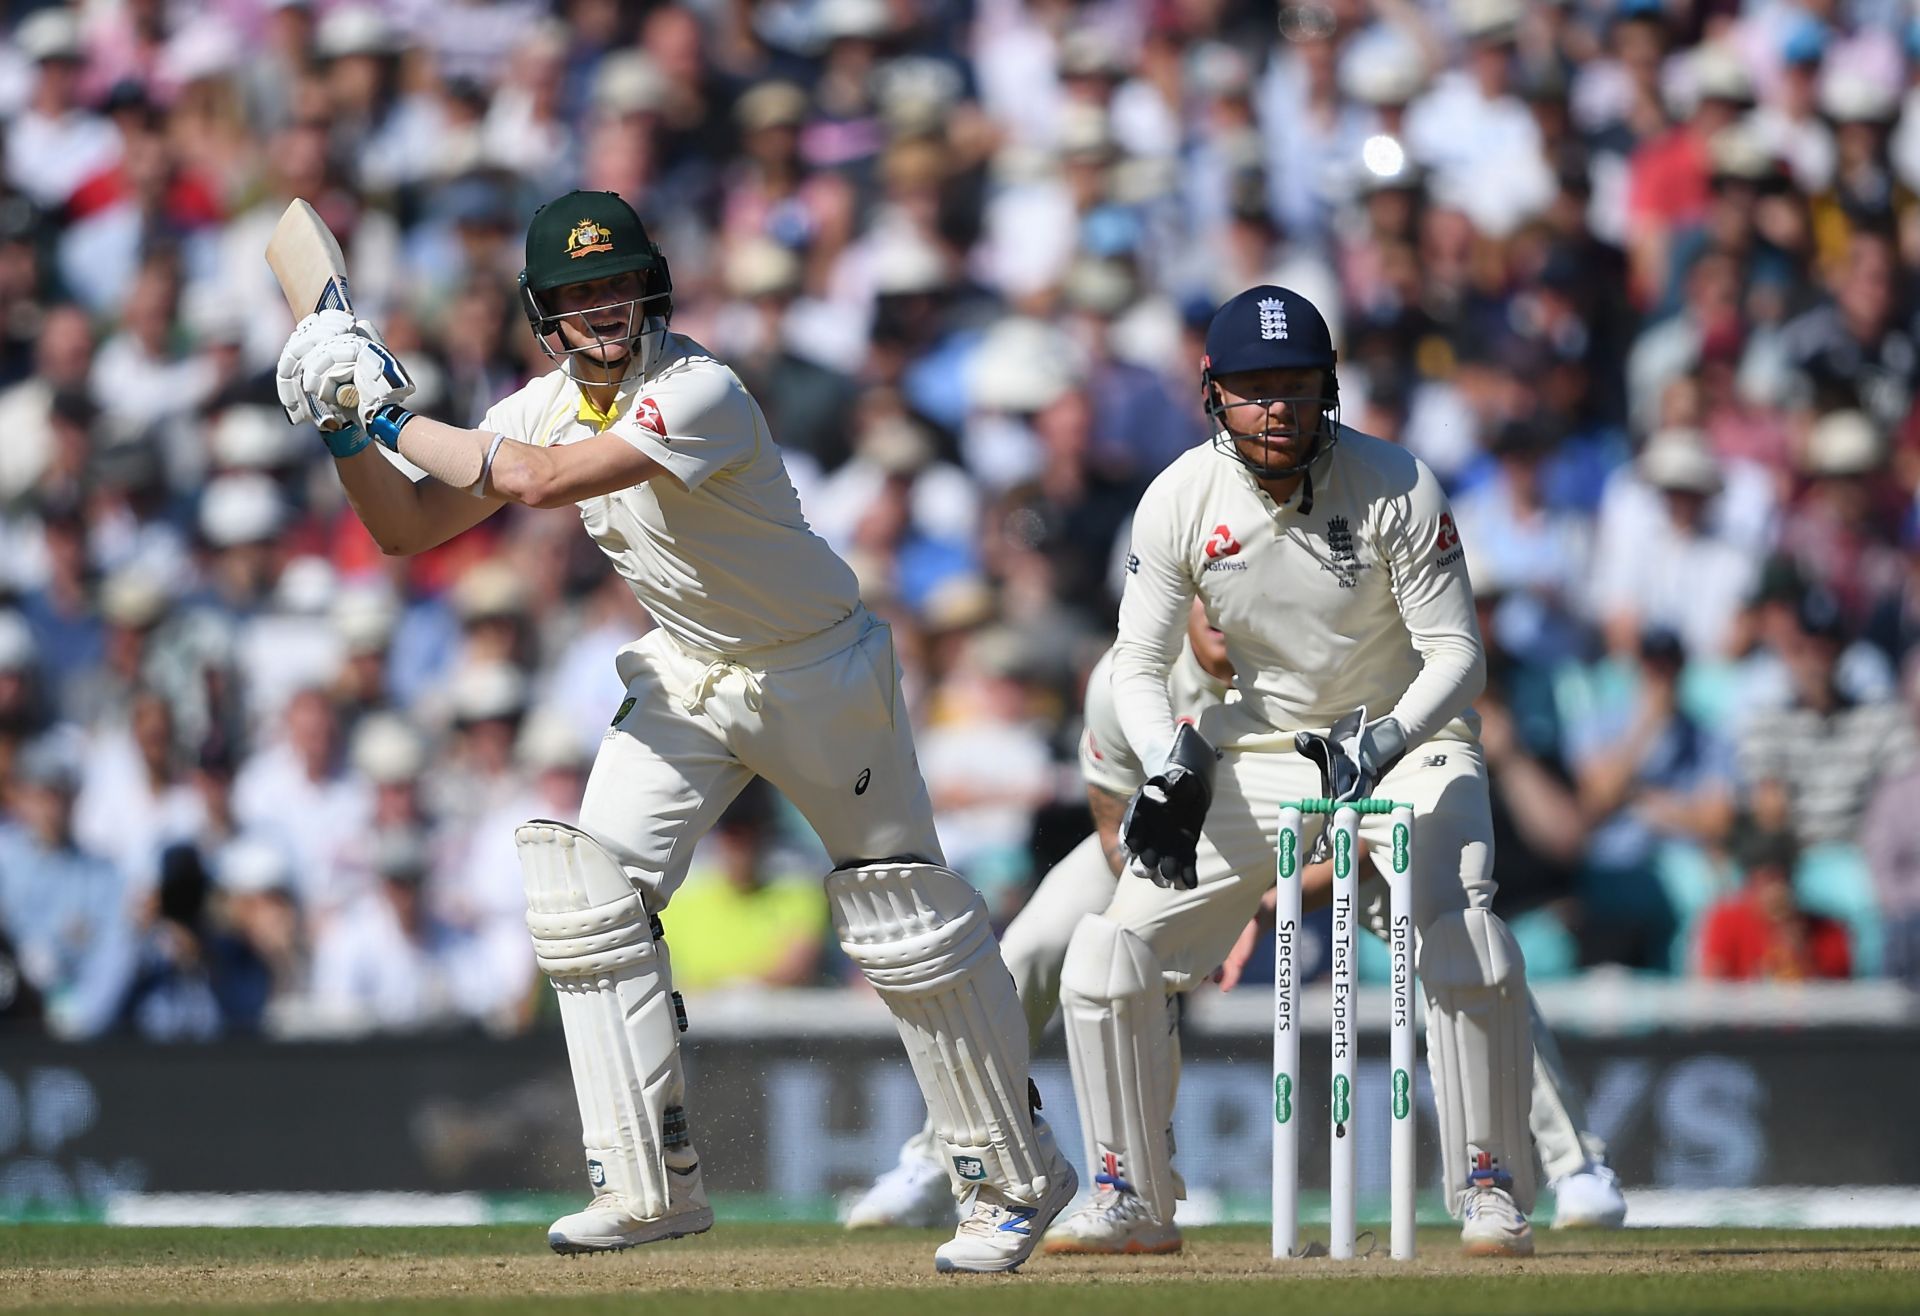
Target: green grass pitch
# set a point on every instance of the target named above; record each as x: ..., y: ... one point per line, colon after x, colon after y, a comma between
x: 803, y: 1270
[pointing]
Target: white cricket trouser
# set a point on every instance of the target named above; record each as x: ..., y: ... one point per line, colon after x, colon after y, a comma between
x: 1035, y: 943
x: 822, y: 720
x: 1446, y: 783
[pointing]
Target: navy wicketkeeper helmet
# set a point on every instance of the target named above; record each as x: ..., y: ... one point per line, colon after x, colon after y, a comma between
x: 1272, y: 328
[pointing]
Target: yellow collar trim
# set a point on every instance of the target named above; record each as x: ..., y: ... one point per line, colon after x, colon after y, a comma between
x: 595, y: 417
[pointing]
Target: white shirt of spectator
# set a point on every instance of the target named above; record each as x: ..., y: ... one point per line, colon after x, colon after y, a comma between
x: 1107, y: 761
x: 48, y: 156
x: 1694, y: 585
x: 1362, y: 601
x: 720, y: 553
x: 1486, y: 153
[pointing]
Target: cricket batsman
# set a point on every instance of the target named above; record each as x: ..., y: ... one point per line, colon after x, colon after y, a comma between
x: 1330, y: 562
x: 1115, y: 1221
x: 763, y: 662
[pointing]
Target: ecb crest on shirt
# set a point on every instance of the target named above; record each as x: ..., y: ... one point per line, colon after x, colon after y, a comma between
x: 1342, y: 561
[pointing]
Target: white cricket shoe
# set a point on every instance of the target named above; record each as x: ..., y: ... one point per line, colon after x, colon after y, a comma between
x: 915, y: 1194
x: 1493, y: 1225
x: 1589, y: 1198
x: 1113, y: 1223
x: 609, y: 1223
x: 996, y: 1234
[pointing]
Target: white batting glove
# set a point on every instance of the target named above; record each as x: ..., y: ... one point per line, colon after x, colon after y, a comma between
x: 307, y: 335
x: 352, y: 358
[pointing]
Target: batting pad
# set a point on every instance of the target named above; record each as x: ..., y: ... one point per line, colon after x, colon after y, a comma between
x: 1117, y: 1015
x: 921, y: 935
x: 598, y: 945
x: 1479, y: 1048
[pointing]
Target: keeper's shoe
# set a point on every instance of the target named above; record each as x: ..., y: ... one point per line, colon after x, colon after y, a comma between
x: 1113, y: 1223
x: 1589, y: 1198
x: 1492, y: 1223
x: 609, y: 1223
x: 915, y: 1194
x: 997, y: 1234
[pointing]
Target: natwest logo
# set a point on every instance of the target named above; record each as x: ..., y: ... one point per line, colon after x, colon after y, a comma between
x: 1222, y: 544
x: 647, y: 413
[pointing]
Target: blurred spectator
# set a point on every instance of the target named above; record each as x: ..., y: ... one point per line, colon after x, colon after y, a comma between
x: 1890, y: 839
x: 987, y: 765
x: 487, y: 703
x: 1841, y: 530
x: 63, y: 356
x: 1658, y: 557
x: 195, y: 980
x: 1651, y: 782
x: 1809, y: 768
x: 477, y: 884
x: 387, y: 962
x: 1475, y: 134
x: 54, y: 142
x: 258, y: 911
x: 1858, y: 349
x: 1760, y: 932
x: 1514, y: 540
x: 297, y: 787
x: 67, y: 912
x: 742, y: 916
x: 1763, y: 678
x: 135, y: 799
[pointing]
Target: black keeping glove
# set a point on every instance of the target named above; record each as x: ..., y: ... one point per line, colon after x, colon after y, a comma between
x: 1353, y: 756
x: 1160, y: 830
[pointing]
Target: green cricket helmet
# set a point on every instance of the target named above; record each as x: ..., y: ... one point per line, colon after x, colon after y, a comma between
x: 584, y: 236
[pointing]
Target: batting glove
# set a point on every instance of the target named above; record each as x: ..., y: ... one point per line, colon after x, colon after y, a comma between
x: 307, y: 335
x: 370, y: 366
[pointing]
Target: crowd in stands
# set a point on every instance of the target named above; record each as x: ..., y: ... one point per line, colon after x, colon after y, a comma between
x: 1636, y: 278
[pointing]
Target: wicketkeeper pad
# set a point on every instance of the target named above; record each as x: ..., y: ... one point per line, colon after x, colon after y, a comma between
x: 1118, y: 1019
x: 601, y: 949
x: 1479, y: 1050
x: 921, y: 935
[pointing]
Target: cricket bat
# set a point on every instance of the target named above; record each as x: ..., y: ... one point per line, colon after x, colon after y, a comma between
x: 305, y: 258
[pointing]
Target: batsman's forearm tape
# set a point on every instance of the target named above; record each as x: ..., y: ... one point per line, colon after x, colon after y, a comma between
x: 449, y: 454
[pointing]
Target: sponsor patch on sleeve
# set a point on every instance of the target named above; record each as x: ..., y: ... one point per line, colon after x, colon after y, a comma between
x: 646, y: 414
x: 1446, y: 542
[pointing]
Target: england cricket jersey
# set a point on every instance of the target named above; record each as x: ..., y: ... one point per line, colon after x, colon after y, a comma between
x: 1106, y: 759
x: 1356, y: 597
x: 717, y: 550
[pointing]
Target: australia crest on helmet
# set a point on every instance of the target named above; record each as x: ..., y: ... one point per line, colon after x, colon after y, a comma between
x: 587, y: 237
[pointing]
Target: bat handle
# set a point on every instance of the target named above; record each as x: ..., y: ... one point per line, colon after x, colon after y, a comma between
x: 348, y: 396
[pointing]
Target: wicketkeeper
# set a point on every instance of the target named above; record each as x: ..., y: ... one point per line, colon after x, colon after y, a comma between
x: 1330, y: 562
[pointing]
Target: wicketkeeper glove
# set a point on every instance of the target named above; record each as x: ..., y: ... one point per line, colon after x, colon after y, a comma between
x: 1354, y: 755
x: 1160, y: 830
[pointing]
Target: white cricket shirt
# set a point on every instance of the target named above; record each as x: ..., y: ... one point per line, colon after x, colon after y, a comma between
x: 1360, y: 601
x: 719, y: 553
x: 1106, y: 759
